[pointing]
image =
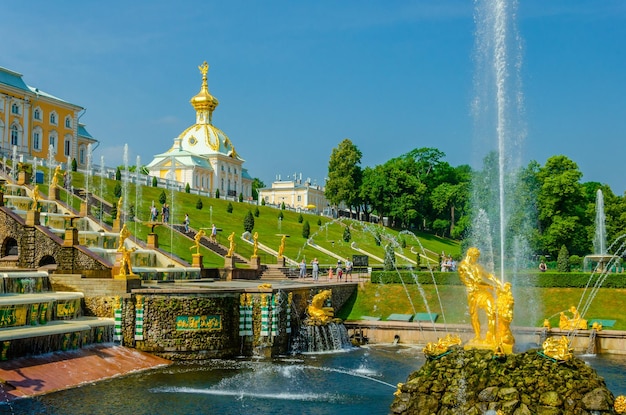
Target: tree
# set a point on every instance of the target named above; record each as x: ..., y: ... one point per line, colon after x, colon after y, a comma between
x: 262, y: 202
x: 300, y: 218
x: 217, y: 193
x: 282, y: 206
x: 248, y: 222
x: 118, y: 174
x: 187, y: 188
x: 390, y: 258
x: 346, y: 234
x: 562, y: 262
x: 199, y: 204
x: 281, y: 216
x: 256, y: 211
x: 155, y: 181
x: 344, y: 175
x: 117, y: 190
x: 162, y: 197
x: 114, y: 211
x: 306, y: 229
x: 74, y: 164
x: 240, y: 197
x: 256, y: 185
x: 229, y: 207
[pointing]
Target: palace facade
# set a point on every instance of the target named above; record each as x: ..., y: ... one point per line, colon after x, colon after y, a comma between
x: 202, y: 155
x: 33, y: 121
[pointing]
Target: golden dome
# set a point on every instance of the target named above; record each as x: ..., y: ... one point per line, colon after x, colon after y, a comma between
x: 204, y: 102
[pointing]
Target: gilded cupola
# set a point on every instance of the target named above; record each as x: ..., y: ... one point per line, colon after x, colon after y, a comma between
x: 204, y: 103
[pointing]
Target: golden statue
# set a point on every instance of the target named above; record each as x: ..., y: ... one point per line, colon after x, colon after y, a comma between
x: 573, y: 323
x: 441, y: 346
x: 486, y: 292
x: 55, y: 176
x: 281, y: 248
x: 126, y: 267
x: 255, y: 245
x: 36, y: 196
x: 124, y: 234
x: 204, y: 68
x: 231, y: 246
x: 557, y: 348
x: 620, y: 404
x: 318, y: 314
x: 119, y: 207
x: 197, y: 239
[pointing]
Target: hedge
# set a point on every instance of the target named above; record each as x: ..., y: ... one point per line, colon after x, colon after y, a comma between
x: 526, y: 279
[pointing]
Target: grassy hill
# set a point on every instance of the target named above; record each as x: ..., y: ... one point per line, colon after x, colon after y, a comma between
x: 325, y: 232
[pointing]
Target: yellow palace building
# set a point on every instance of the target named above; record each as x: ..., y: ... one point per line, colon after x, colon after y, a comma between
x: 202, y: 155
x: 33, y: 121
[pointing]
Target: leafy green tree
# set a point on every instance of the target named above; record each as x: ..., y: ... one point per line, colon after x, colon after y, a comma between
x: 248, y: 222
x: 256, y: 212
x: 319, y: 222
x: 155, y: 181
x: 346, y: 234
x: 344, y: 175
x: 217, y: 193
x: 162, y: 197
x: 74, y: 164
x: 256, y: 185
x: 240, y: 197
x: 561, y: 207
x: 262, y: 202
x: 300, y: 218
x: 187, y: 188
x: 562, y: 262
x: 306, y: 229
x: 199, y: 204
x: 229, y: 207
x: 282, y: 206
x: 118, y: 174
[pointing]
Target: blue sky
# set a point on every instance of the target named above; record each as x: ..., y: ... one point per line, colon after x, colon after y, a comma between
x: 295, y: 78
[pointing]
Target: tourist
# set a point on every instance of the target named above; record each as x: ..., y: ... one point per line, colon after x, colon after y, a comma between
x: 186, y: 223
x: 339, y: 271
x: 316, y: 269
x: 330, y: 273
x: 166, y: 213
x: 348, y: 270
x: 213, y: 233
x: 542, y: 266
x: 153, y: 214
x: 303, y: 269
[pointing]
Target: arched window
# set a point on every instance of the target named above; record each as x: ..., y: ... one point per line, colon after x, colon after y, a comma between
x: 53, y: 118
x: 15, y: 109
x: 37, y: 114
x: 10, y: 247
x: 52, y: 141
x: 68, y: 122
x: 67, y: 146
x: 81, y: 154
x: 37, y: 139
x: 15, y: 135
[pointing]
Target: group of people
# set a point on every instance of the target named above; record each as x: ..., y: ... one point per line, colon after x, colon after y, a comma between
x: 315, y: 270
x: 165, y: 213
x: 447, y: 263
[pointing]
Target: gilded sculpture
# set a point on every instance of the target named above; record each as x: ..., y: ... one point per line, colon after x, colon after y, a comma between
x: 255, y: 245
x: 231, y: 245
x: 36, y: 196
x: 557, y: 348
x: 281, y: 248
x: 442, y: 345
x: 575, y: 322
x: 318, y: 313
x: 55, y: 176
x: 485, y: 292
x: 196, y: 240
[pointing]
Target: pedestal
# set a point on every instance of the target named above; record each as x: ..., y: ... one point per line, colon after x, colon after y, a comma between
x: 71, y: 237
x: 23, y: 178
x: 153, y: 241
x: 84, y: 209
x: 280, y: 261
x: 32, y: 218
x: 116, y: 270
x: 255, y: 262
x: 197, y: 261
x: 53, y: 193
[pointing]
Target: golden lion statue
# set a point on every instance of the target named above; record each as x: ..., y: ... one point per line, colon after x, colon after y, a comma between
x: 317, y: 312
x: 557, y: 348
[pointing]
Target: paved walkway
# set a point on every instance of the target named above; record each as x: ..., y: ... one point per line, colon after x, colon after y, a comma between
x: 30, y: 376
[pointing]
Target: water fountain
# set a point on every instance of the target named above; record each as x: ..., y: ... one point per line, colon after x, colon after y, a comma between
x: 600, y: 258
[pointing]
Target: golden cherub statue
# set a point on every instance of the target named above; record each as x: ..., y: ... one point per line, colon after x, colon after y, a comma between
x: 281, y: 248
x: 36, y: 196
x: 573, y: 323
x: 55, y: 176
x: 557, y: 348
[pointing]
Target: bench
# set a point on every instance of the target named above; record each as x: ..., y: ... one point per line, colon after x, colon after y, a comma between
x: 426, y: 317
x: 605, y: 323
x: 400, y: 317
x: 370, y: 318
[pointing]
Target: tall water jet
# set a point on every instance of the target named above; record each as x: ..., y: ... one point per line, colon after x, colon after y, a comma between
x: 137, y: 188
x: 102, y: 173
x: 497, y: 108
x: 125, y: 180
x: 88, y: 173
x: 599, y: 239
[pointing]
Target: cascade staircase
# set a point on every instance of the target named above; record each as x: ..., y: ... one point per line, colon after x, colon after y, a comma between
x: 275, y: 272
x: 219, y: 249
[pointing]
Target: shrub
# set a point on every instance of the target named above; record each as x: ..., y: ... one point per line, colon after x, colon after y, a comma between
x: 240, y: 197
x: 390, y: 258
x: 155, y: 181
x: 300, y: 218
x: 187, y: 188
x: 114, y: 211
x: 282, y: 206
x: 217, y: 193
x: 74, y: 165
x: 280, y: 215
x: 229, y: 207
x: 162, y: 197
x: 262, y: 202
x: 306, y: 229
x: 346, y: 234
x: 319, y: 222
x: 118, y: 174
x: 117, y: 190
x: 562, y: 261
x: 199, y: 204
x: 256, y: 212
x: 248, y: 222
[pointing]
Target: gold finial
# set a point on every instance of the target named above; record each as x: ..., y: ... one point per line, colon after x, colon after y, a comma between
x: 204, y: 68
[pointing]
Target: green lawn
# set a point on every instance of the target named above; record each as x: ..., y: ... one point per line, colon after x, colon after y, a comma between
x: 532, y: 305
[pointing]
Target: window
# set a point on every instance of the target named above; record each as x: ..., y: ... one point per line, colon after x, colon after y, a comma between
x: 53, y: 118
x: 37, y: 114
x: 81, y: 155
x: 15, y: 135
x: 52, y: 141
x: 299, y: 198
x: 67, y: 147
x: 68, y: 122
x: 36, y: 140
x: 15, y: 109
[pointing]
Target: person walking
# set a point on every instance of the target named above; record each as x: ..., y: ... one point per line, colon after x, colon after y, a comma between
x: 186, y: 223
x: 315, y: 265
x: 348, y: 270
